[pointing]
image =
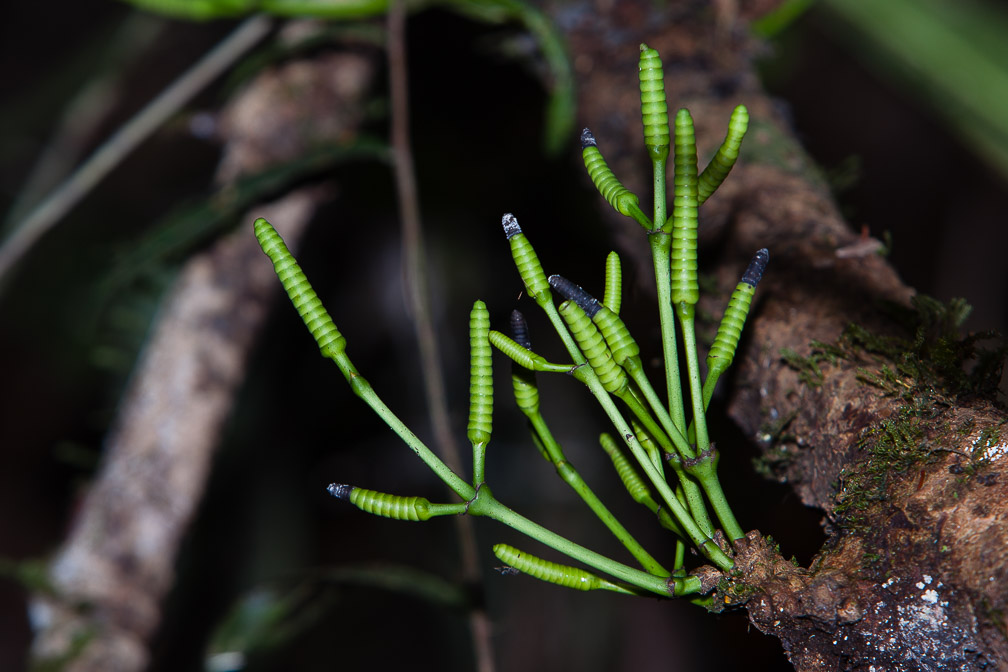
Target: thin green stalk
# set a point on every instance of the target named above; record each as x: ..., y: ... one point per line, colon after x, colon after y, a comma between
x: 569, y: 474
x: 456, y: 508
x: 686, y: 313
x: 586, y: 375
x: 666, y: 586
x: 682, y: 445
x: 678, y: 565
x: 658, y: 170
x: 707, y: 476
x: 362, y: 388
x: 657, y: 456
x: 696, y: 535
x: 695, y: 498
x: 661, y: 245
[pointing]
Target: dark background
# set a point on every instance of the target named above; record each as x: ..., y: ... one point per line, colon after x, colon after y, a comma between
x: 267, y: 525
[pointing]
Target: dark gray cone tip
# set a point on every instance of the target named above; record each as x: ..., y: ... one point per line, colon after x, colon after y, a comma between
x: 754, y: 272
x: 588, y: 303
x: 340, y: 491
x: 519, y: 330
x: 510, y: 224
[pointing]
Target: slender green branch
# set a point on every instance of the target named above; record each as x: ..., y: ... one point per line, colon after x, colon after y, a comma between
x: 689, y: 525
x: 705, y: 469
x: 492, y: 508
x: 694, y: 495
x: 661, y: 245
x: 636, y: 486
x: 570, y: 475
x: 363, y: 389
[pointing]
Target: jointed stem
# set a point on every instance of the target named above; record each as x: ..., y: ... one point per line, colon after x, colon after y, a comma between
x: 693, y: 495
x: 661, y: 585
x: 661, y: 244
x: 363, y: 389
x: 570, y: 475
x: 708, y: 477
x: 696, y: 535
x: 701, y: 539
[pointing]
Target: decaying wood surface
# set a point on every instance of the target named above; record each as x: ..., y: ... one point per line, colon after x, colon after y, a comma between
x: 917, y: 579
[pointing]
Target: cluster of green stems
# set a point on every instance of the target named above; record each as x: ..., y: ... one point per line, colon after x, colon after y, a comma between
x: 605, y: 358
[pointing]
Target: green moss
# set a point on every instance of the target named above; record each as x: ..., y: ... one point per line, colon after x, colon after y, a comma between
x: 931, y: 357
x: 892, y: 447
x: 807, y: 367
x: 928, y: 366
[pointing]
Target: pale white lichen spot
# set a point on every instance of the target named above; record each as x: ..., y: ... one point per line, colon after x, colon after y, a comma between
x: 930, y: 595
x: 991, y: 452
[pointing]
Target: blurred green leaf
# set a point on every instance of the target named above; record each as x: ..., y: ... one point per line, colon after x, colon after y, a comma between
x: 953, y: 55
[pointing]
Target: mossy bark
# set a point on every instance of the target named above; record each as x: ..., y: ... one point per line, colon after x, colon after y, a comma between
x: 914, y: 489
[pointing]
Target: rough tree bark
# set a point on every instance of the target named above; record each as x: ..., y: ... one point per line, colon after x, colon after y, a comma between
x: 911, y: 479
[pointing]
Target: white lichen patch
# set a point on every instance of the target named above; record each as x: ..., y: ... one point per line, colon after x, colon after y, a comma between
x: 988, y: 450
x: 916, y: 629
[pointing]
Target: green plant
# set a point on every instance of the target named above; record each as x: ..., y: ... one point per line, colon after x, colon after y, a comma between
x: 606, y: 359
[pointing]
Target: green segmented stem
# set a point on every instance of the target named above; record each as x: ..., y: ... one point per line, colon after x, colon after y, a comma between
x: 632, y: 481
x: 334, y: 348
x: 699, y: 535
x: 552, y: 572
x: 685, y: 288
x: 635, y: 485
x: 612, y: 297
x: 619, y: 197
x: 526, y: 261
x: 617, y: 336
x: 552, y: 451
x: 722, y: 351
x: 523, y: 381
x: 719, y: 167
x: 654, y: 109
x: 523, y: 357
x: 396, y: 507
x: 526, y: 391
x: 480, y: 388
x: 625, y: 353
x: 589, y: 339
x: 295, y: 283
